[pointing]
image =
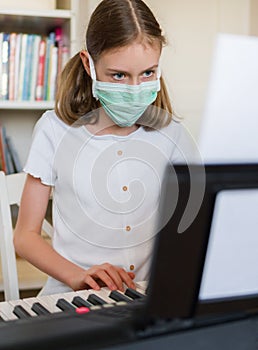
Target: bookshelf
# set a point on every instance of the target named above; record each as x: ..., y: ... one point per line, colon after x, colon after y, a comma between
x: 19, y: 116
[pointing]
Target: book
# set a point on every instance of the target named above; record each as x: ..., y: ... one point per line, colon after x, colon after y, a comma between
x: 9, y: 159
x: 13, y: 37
x: 7, y: 155
x: 41, y: 70
x: 34, y: 67
x: 50, y: 44
x: 17, y: 65
x: 52, y: 73
x: 1, y: 44
x: 22, y: 65
x: 63, y: 50
x: 5, y: 65
x: 27, y: 68
x: 2, y: 150
x: 17, y: 167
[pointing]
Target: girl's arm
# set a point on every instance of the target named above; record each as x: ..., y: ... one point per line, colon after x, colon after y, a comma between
x: 30, y: 245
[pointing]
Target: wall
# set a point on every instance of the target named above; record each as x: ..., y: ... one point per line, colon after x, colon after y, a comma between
x: 191, y: 28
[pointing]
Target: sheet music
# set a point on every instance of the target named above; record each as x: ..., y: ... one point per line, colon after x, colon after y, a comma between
x: 231, y: 265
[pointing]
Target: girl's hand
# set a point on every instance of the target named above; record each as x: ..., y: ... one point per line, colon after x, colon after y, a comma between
x: 104, y: 275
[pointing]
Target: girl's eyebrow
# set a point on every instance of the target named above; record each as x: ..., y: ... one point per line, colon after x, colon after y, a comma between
x: 114, y: 70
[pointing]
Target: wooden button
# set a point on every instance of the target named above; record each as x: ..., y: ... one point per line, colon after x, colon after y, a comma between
x: 125, y: 188
x: 128, y: 228
x: 119, y: 152
x: 131, y: 267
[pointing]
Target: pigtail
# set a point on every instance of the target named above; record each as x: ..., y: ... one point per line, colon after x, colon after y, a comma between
x: 74, y: 97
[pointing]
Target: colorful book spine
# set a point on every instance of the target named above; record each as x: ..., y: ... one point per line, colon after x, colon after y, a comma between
x: 2, y: 150
x: 15, y: 160
x: 9, y: 159
x: 50, y: 45
x: 13, y: 38
x: 52, y: 73
x: 1, y: 44
x: 27, y: 68
x: 41, y: 70
x: 5, y: 66
x: 30, y: 65
x: 22, y: 65
x: 34, y: 67
x: 17, y: 67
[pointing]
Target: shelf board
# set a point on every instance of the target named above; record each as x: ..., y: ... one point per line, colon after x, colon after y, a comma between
x: 32, y: 21
x: 33, y: 13
x: 32, y: 105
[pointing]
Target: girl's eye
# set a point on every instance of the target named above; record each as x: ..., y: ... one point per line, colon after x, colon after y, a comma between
x: 148, y: 73
x: 118, y: 76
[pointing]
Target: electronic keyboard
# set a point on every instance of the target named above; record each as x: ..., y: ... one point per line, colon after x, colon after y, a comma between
x: 88, y: 319
x: 83, y: 301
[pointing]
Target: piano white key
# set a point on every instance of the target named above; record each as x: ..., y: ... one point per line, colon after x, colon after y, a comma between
x: 53, y: 298
x: 23, y: 304
x: 141, y: 286
x: 6, y: 310
x: 49, y: 301
x: 3, y: 316
x: 32, y: 300
x: 82, y: 293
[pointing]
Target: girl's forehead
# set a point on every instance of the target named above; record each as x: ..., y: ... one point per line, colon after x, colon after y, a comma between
x: 137, y: 50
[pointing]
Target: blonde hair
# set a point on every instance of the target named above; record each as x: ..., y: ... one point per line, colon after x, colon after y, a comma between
x: 113, y: 24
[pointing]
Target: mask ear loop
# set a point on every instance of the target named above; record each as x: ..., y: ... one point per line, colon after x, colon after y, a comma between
x: 158, y: 71
x: 93, y: 76
x: 158, y: 76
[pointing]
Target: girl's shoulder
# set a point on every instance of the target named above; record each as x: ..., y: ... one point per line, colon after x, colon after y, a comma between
x: 49, y: 129
x: 49, y: 120
x: 175, y: 126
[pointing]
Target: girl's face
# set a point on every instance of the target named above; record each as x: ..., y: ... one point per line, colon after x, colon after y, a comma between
x: 131, y: 64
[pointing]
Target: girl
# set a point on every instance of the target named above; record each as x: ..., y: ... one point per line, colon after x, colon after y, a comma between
x: 102, y: 153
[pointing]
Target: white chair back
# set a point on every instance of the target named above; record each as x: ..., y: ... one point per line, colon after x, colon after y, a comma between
x: 11, y: 187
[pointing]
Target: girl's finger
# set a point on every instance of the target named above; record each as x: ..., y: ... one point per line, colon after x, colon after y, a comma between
x: 91, y: 282
x: 105, y: 277
x: 126, y: 279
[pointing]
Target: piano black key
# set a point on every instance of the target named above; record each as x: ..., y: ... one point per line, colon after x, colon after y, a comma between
x: 64, y: 305
x: 78, y: 301
x: 117, y: 296
x: 133, y: 294
x: 96, y: 300
x: 20, y: 312
x: 39, y: 309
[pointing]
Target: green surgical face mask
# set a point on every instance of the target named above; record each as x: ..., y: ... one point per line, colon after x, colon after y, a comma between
x: 124, y: 103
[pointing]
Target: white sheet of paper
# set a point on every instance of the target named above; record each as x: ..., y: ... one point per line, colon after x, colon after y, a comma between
x: 229, y: 130
x: 229, y: 134
x: 231, y: 265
